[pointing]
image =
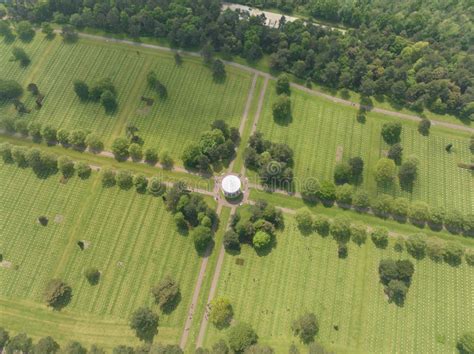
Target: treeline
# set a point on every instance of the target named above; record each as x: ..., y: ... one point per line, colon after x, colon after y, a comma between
x: 420, y: 56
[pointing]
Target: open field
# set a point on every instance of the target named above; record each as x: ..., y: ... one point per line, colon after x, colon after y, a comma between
x: 194, y: 100
x: 132, y: 240
x: 303, y: 273
x: 319, y: 129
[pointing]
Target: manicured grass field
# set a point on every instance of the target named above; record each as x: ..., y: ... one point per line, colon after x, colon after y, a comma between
x: 132, y: 241
x: 304, y: 273
x: 194, y: 100
x: 320, y: 128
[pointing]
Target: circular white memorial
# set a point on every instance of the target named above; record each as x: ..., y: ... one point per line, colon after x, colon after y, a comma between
x: 231, y: 186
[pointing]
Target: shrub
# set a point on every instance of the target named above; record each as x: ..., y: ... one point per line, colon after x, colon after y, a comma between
x: 241, y: 336
x: 77, y: 139
x: 81, y: 89
x: 46, y: 345
x: 453, y: 253
x: 424, y: 126
x: 281, y: 109
x: 120, y: 148
x: 34, y: 130
x: 63, y: 136
x: 468, y: 225
x: 435, y: 249
x: 140, y: 182
x: 166, y: 160
x: 66, y: 166
x: 21, y: 126
x: 454, y: 221
x: 396, y: 290
x: 408, y: 173
x: 344, y: 195
x: 357, y: 167
x: 124, y: 179
x: 49, y: 134
x: 283, y: 85
x: 108, y: 100
x: 6, y: 152
x: 151, y: 156
x: 221, y: 312
x: 391, y: 132
x: 418, y: 212
x: 231, y: 240
x: 144, y: 322
x: 416, y: 245
x: 379, y: 237
x: 436, y: 217
x: 306, y: 327
x: 469, y: 256
x: 25, y: 30
x: 304, y: 219
x: 310, y: 190
x: 261, y: 240
x: 57, y: 294
x: 19, y: 155
x: 382, y: 205
x: 395, y: 153
x: 400, y: 208
x: 166, y: 292
x: 4, y: 337
x: 321, y: 224
x: 358, y: 233
x: 341, y: 229
x: 327, y: 192
x: 92, y: 275
x: 20, y: 343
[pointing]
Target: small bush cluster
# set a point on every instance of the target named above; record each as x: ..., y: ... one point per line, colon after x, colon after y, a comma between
x: 102, y: 90
x: 396, y: 277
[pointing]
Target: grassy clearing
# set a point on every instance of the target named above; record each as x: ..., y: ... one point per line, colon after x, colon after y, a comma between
x: 319, y: 128
x: 132, y: 240
x: 303, y: 273
x: 194, y: 100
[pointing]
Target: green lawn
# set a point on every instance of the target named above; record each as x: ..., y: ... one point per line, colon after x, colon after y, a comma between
x: 321, y: 129
x: 132, y: 240
x: 194, y: 100
x: 303, y: 273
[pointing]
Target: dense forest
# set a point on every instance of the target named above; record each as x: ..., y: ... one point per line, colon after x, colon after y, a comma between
x: 420, y: 54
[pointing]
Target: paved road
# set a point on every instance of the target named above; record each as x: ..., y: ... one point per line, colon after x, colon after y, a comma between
x: 300, y: 87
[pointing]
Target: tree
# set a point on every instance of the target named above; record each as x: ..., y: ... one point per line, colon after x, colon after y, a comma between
x: 416, y: 245
x: 391, y: 132
x: 221, y: 312
x: 220, y: 347
x: 453, y: 221
x: 10, y: 89
x: 151, y: 156
x: 281, y: 109
x: 202, y: 236
x: 382, y: 205
x: 385, y: 171
x: 20, y: 343
x: 341, y: 229
x: 166, y: 160
x: 77, y: 139
x: 166, y: 293
x: 120, y: 148
x: 66, y: 166
x: 135, y: 152
x: 408, y: 172
x: 453, y: 253
x: 34, y: 130
x: 218, y: 70
x: 465, y: 343
x: 108, y: 177
x: 19, y: 155
x: 140, y: 182
x: 396, y: 291
x: 21, y: 126
x: 63, y: 137
x: 25, y: 31
x: 108, y: 100
x: 156, y: 187
x: 57, y: 293
x: 358, y: 233
x: 5, y: 30
x: 321, y: 224
x: 94, y: 143
x: 101, y: 86
x: 231, y: 240
x: 81, y: 89
x: 6, y: 152
x: 379, y: 237
x: 327, y: 192
x: 92, y: 275
x: 310, y: 190
x: 83, y: 169
x: 344, y: 195
x: 261, y: 240
x: 241, y: 336
x: 283, y: 85
x: 304, y: 219
x: 342, y: 173
x: 435, y: 249
x: 69, y: 34
x: 418, y: 212
x: 20, y: 55
x: 124, y: 179
x: 123, y: 349
x: 49, y: 134
x: 74, y: 348
x: 436, y: 217
x: 47, y: 30
x: 424, y: 126
x: 361, y: 200
x: 144, y: 322
x: 306, y: 327
x: 4, y: 337
x: 395, y: 153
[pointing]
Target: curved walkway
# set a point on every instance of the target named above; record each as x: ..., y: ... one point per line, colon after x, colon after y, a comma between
x: 300, y: 87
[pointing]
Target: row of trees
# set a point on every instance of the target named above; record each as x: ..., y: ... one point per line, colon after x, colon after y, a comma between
x: 214, y: 146
x: 417, y: 245
x: 125, y: 179
x: 43, y: 163
x: 273, y: 161
x: 417, y: 66
x: 384, y: 206
x: 126, y: 147
x: 255, y: 226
